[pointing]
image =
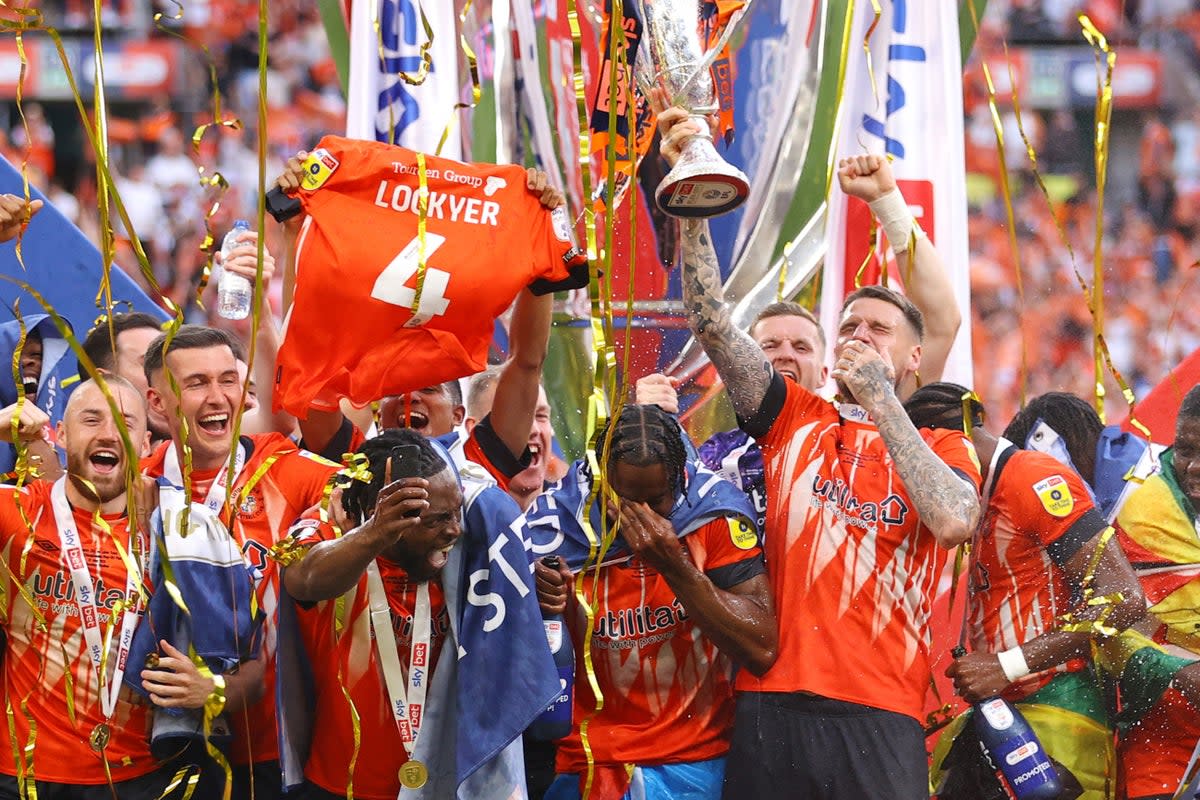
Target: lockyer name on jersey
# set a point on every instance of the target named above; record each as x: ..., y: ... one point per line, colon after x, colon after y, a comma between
x: 469, y: 210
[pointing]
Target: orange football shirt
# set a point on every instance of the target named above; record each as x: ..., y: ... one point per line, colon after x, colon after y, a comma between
x: 668, y: 693
x: 853, y: 571
x: 40, y: 665
x: 347, y: 658
x: 486, y: 237
x: 1037, y: 517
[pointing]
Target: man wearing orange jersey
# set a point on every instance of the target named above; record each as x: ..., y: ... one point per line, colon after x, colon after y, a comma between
x: 860, y: 509
x: 72, y: 563
x: 1041, y: 546
x: 273, y: 483
x: 678, y: 600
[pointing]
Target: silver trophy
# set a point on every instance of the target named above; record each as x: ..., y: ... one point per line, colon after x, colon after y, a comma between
x: 702, y: 184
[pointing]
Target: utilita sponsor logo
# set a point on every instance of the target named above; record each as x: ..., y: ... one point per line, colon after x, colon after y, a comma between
x: 1030, y: 774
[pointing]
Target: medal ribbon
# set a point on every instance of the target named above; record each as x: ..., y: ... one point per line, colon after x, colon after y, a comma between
x: 215, y: 499
x: 85, y: 598
x: 407, y: 701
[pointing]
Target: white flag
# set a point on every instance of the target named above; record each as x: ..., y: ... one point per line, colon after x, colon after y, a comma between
x: 381, y: 105
x: 913, y: 114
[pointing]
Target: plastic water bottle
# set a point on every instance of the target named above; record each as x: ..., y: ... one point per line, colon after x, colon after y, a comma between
x: 1015, y: 752
x: 555, y: 721
x: 234, y: 293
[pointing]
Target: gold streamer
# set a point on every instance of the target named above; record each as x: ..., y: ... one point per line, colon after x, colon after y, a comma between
x: 866, y: 46
x: 602, y: 358
x: 1073, y: 621
x: 1006, y: 192
x: 1103, y: 121
x: 473, y: 68
x: 422, y: 216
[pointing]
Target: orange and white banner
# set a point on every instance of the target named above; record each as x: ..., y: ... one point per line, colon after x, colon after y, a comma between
x: 914, y: 114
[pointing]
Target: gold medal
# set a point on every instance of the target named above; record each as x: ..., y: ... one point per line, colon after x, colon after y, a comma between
x: 413, y: 774
x: 100, y: 736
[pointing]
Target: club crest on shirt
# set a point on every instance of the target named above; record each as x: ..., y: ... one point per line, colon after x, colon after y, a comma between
x: 251, y: 507
x: 1055, y: 495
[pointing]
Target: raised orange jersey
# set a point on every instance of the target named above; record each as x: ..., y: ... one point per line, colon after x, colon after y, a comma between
x: 293, y: 482
x: 42, y: 665
x: 668, y: 694
x: 1038, y: 515
x: 486, y: 237
x: 853, y: 571
x: 347, y: 658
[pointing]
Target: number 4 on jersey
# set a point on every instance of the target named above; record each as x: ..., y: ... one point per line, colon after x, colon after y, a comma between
x: 392, y: 284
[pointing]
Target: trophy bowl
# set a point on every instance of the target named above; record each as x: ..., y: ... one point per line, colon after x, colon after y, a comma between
x: 701, y: 184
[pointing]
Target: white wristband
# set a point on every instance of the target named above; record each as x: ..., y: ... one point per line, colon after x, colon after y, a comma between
x: 1013, y: 663
x: 896, y: 219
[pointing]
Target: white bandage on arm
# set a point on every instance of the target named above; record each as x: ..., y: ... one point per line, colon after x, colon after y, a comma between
x: 896, y: 219
x: 1013, y: 663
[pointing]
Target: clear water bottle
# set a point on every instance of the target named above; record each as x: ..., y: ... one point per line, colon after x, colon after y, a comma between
x: 555, y: 722
x: 234, y: 293
x: 1015, y: 752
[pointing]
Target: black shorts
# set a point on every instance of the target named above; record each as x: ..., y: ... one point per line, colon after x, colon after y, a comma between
x: 802, y: 747
x: 147, y: 787
x: 260, y: 781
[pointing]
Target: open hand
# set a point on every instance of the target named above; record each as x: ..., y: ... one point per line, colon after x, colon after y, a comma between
x: 650, y: 535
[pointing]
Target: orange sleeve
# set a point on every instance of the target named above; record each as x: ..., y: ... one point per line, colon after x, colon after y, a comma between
x: 956, y: 450
x: 1052, y: 503
x: 555, y: 256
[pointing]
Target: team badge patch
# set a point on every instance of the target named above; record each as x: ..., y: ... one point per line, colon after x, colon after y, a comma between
x: 742, y: 534
x: 317, y: 168
x: 1055, y: 495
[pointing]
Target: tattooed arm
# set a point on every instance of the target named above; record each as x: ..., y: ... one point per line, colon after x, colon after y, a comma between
x: 947, y: 504
x: 740, y: 361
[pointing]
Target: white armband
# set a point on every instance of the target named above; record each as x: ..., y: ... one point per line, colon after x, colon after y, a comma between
x: 896, y: 219
x: 1013, y: 663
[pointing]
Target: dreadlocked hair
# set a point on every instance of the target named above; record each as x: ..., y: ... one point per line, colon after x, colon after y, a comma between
x: 358, y: 499
x: 940, y: 405
x: 644, y: 435
x: 1071, y: 418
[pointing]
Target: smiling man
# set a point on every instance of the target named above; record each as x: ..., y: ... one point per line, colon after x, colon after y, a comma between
x: 274, y: 482
x: 61, y: 543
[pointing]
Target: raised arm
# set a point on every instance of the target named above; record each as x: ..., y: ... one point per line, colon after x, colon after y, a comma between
x: 981, y: 675
x: 517, y: 386
x: 738, y: 359
x: 947, y: 504
x: 331, y: 568
x: 927, y: 284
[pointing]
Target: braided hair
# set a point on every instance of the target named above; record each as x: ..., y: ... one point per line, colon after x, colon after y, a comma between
x: 644, y: 435
x: 1076, y: 422
x: 940, y: 405
x: 358, y: 499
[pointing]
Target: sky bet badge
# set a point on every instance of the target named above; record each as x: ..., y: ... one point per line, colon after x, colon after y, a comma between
x: 742, y: 533
x: 1055, y: 495
x: 317, y: 168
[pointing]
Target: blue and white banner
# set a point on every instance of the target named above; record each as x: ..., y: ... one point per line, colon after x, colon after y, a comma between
x: 386, y: 40
x: 914, y: 114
